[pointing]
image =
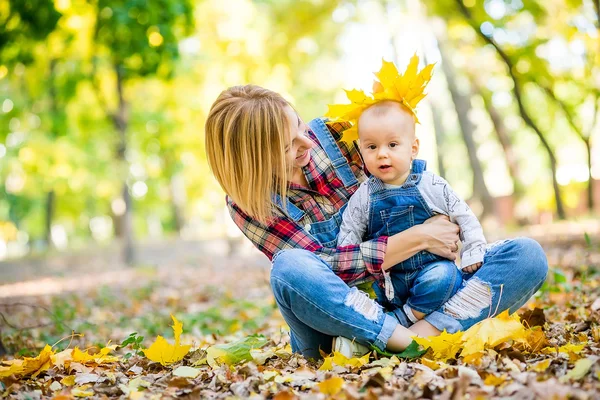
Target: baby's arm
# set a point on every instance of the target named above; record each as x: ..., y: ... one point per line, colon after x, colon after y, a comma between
x: 355, y: 217
x: 439, y: 193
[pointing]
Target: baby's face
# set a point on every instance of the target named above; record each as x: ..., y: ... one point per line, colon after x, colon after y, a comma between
x: 388, y: 143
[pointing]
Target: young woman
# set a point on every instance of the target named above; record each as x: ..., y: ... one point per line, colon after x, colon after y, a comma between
x: 287, y: 184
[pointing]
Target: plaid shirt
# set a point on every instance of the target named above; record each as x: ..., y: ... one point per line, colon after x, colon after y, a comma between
x: 354, y: 264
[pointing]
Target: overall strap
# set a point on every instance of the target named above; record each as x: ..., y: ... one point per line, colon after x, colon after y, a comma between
x: 375, y: 184
x: 418, y: 166
x: 294, y: 212
x: 340, y: 163
x: 416, y: 172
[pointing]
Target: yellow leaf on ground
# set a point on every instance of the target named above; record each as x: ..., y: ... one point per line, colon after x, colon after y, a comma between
x: 165, y: 353
x: 101, y: 357
x: 68, y: 380
x: 39, y: 364
x: 82, y: 391
x: 444, y: 346
x: 494, y: 380
x: 491, y: 332
x: 270, y: 374
x: 62, y: 358
x: 566, y: 349
x: 474, y: 359
x: 582, y: 367
x: 15, y: 367
x: 343, y: 361
x: 434, y: 365
x: 541, y: 366
x: 331, y: 386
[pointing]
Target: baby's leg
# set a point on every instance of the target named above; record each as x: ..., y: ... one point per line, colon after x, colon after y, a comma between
x: 432, y: 286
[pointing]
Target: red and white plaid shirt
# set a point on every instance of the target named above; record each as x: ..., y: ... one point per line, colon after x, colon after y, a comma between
x: 354, y: 264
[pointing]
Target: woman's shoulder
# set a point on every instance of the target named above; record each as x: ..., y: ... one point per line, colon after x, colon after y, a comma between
x: 349, y: 150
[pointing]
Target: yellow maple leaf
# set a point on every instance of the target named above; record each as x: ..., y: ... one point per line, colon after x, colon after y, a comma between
x: 494, y: 380
x: 15, y: 367
x: 386, y: 75
x: 434, y: 365
x: 541, y: 366
x: 68, y: 380
x: 82, y: 391
x: 343, y: 361
x: 491, y: 332
x: 444, y: 346
x: 39, y: 364
x: 165, y: 353
x: 61, y: 358
x: 101, y: 357
x: 566, y: 349
x: 331, y: 386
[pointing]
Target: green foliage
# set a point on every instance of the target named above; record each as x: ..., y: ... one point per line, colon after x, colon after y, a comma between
x: 143, y: 35
x: 22, y: 24
x: 556, y: 282
x: 134, y: 342
x: 412, y: 351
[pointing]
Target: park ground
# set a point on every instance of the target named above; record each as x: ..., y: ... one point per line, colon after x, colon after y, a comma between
x: 89, y: 300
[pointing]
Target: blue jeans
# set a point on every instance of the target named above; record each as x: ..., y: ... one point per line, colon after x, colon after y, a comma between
x: 424, y: 290
x: 318, y: 305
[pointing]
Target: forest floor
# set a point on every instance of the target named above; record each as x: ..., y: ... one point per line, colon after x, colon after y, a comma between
x: 239, y: 343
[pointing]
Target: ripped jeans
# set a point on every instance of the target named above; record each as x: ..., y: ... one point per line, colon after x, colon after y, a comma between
x: 318, y: 305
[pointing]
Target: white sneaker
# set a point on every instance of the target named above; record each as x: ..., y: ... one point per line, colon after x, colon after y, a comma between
x: 349, y: 348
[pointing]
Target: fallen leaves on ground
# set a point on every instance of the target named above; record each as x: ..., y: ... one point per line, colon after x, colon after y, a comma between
x: 229, y: 340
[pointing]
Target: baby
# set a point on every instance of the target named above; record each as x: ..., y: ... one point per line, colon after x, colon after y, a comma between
x: 399, y: 194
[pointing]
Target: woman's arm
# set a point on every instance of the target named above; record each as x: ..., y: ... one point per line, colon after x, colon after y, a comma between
x: 437, y: 235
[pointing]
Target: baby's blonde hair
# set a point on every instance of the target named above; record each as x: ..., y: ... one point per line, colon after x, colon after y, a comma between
x: 246, y: 133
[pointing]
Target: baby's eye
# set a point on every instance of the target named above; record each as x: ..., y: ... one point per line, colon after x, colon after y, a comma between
x: 371, y: 147
x: 393, y: 144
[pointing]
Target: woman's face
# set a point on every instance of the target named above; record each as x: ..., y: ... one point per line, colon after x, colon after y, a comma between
x: 297, y: 148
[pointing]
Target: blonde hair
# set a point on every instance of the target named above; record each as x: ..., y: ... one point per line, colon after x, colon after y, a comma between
x: 246, y: 133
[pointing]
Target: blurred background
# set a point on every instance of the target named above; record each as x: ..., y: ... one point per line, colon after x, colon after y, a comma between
x: 103, y: 103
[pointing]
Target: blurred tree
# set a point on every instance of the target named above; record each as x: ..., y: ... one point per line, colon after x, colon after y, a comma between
x: 24, y: 23
x: 135, y: 39
x: 462, y: 104
x: 563, y: 22
x: 503, y: 135
x: 23, y: 26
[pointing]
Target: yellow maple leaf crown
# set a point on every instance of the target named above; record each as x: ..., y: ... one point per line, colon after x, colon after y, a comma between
x: 406, y: 89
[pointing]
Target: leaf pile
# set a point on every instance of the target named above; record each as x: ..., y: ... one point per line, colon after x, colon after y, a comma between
x: 223, y: 345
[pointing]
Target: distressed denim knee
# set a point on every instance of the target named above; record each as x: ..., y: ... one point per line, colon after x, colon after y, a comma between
x: 317, y: 304
x: 512, y: 271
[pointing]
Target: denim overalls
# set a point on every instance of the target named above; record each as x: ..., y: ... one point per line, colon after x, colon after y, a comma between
x: 395, y: 210
x: 425, y: 281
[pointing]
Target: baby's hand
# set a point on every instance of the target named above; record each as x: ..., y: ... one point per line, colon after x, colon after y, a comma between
x: 473, y: 267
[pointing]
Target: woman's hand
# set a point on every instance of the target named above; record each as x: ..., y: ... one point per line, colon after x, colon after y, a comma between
x: 437, y: 235
x: 442, y: 236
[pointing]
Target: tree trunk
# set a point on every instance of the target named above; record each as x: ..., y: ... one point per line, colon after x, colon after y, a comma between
x: 121, y: 121
x: 178, y: 201
x: 51, y: 194
x: 50, y: 206
x: 503, y: 137
x: 522, y: 110
x: 590, y: 182
x: 462, y: 104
